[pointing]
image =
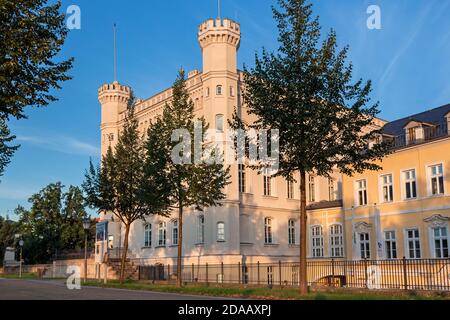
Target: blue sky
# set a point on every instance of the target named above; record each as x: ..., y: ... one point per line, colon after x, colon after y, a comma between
x: 408, y: 61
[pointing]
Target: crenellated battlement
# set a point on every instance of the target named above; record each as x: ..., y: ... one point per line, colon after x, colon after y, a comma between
x: 219, y: 31
x: 114, y: 92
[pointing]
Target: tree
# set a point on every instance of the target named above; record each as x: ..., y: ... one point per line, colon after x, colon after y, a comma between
x: 6, y: 150
x: 8, y: 229
x: 123, y: 185
x: 199, y: 184
x: 54, y: 223
x: 306, y: 91
x: 32, y: 33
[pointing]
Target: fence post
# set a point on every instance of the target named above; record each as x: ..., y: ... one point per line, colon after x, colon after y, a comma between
x: 193, y: 273
x: 105, y: 276
x: 207, y: 281
x: 239, y: 272
x: 258, y: 275
x: 405, y: 276
x: 279, y: 273
x: 222, y: 272
x: 332, y: 272
x: 168, y: 273
x: 366, y: 275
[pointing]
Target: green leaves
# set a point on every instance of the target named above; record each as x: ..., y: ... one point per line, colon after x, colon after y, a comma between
x: 306, y: 91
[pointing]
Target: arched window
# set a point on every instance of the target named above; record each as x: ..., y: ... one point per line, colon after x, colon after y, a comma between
x: 219, y: 90
x: 232, y: 91
x: 148, y: 235
x: 175, y: 232
x: 317, y: 241
x: 312, y: 189
x: 221, y: 231
x: 201, y: 229
x: 268, y: 237
x: 207, y: 91
x: 219, y: 123
x: 162, y: 233
x: 337, y: 241
x: 292, y: 232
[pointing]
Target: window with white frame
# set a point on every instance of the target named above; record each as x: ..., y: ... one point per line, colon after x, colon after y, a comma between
x: 317, y: 241
x: 268, y: 237
x: 410, y: 184
x: 269, y: 275
x: 292, y: 232
x: 364, y: 245
x: 267, y: 186
x: 387, y: 188
x: 221, y: 231
x: 440, y: 241
x: 162, y: 234
x: 232, y: 94
x: 219, y: 123
x: 436, y: 179
x: 201, y: 229
x: 331, y: 191
x: 242, y: 186
x: 312, y: 189
x: 413, y: 243
x: 337, y: 241
x: 290, y: 189
x: 361, y: 189
x: 148, y: 235
x: 175, y: 232
x: 219, y: 90
x: 207, y: 92
x: 390, y: 244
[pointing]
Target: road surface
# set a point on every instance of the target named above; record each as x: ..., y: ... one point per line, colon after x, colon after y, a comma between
x: 57, y: 290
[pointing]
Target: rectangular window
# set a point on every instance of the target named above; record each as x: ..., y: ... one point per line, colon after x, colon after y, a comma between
x: 162, y: 233
x: 290, y: 190
x: 387, y: 188
x: 337, y: 241
x: 312, y: 189
x: 364, y: 245
x: 390, y: 243
x: 413, y: 243
x: 242, y: 178
x: 362, y: 192
x: 440, y: 238
x: 221, y: 231
x: 267, y: 186
x: 148, y: 235
x: 268, y: 238
x: 291, y: 232
x: 437, y: 179
x: 175, y: 232
x: 201, y: 230
x: 410, y: 184
x: 331, y: 193
x: 317, y: 241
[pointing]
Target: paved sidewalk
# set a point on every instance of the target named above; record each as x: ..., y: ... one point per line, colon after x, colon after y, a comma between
x: 57, y: 290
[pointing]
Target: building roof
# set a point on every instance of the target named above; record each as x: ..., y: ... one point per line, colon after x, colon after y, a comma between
x: 433, y: 116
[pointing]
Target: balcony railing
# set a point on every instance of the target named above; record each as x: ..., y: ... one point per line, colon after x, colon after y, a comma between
x: 420, y: 136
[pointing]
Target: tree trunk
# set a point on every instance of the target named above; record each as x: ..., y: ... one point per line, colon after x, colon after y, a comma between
x: 124, y: 254
x: 303, y: 232
x: 180, y: 245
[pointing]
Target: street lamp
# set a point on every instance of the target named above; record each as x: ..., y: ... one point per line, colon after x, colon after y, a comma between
x: 86, y: 227
x: 21, y: 243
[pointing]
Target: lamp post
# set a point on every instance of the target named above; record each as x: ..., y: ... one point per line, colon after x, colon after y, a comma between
x: 20, y: 258
x: 86, y: 227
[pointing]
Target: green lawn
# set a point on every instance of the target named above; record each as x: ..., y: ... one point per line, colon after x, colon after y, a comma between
x: 16, y: 276
x: 264, y: 293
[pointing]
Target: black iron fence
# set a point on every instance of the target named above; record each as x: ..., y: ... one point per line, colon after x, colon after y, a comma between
x: 402, y: 274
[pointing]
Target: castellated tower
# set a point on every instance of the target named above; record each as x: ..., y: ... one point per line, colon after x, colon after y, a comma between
x: 114, y: 99
x: 219, y: 40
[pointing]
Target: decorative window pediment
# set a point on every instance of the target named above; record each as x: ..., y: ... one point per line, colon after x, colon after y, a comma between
x: 362, y: 227
x: 437, y: 220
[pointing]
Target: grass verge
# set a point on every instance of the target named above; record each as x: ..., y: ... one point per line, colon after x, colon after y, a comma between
x: 27, y: 275
x: 264, y: 293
